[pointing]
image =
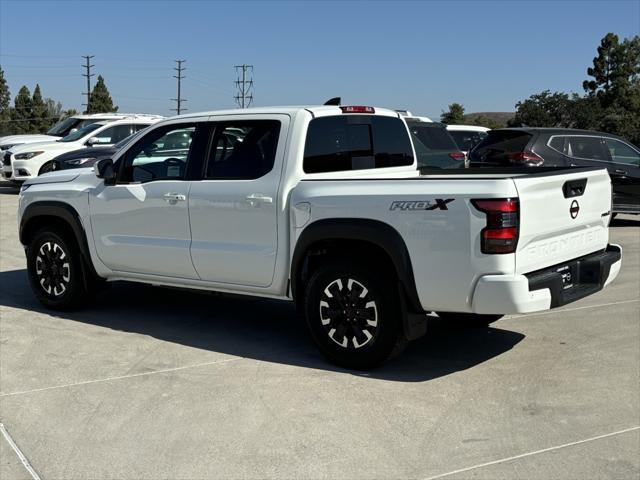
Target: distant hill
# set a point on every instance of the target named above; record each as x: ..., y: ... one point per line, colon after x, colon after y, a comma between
x: 495, y: 119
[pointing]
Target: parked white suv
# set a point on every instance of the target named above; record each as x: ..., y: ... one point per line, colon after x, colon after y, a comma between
x: 467, y: 136
x: 323, y: 206
x: 25, y: 161
x: 61, y: 129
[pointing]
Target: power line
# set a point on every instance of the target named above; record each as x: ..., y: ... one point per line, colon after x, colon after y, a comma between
x: 245, y: 87
x: 88, y: 75
x: 179, y: 77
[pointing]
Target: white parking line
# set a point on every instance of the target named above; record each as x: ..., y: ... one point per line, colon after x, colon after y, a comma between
x: 108, y: 379
x: 555, y: 310
x: 529, y: 454
x: 21, y: 456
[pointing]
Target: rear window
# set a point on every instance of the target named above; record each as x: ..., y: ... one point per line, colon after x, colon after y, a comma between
x: 356, y: 142
x: 467, y: 139
x: 499, y: 144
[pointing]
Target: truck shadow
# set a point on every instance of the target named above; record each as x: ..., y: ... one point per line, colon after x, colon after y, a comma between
x: 8, y: 188
x: 261, y: 329
x: 626, y: 221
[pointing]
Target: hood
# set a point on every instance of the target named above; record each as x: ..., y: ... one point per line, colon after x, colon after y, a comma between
x: 46, y: 146
x: 56, y: 177
x: 13, y: 139
x: 88, y: 152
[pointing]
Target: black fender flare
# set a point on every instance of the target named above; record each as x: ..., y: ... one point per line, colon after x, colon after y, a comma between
x: 61, y: 211
x: 375, y: 232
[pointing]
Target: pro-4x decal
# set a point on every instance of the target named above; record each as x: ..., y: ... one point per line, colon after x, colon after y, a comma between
x: 411, y: 205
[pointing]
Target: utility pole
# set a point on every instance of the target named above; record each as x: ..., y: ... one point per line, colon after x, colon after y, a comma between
x: 179, y: 109
x: 245, y: 86
x: 88, y: 66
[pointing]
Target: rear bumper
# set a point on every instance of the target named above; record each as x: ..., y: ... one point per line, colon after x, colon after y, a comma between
x: 544, y: 289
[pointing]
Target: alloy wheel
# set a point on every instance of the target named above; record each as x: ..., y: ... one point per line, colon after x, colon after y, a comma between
x: 53, y: 269
x: 349, y: 313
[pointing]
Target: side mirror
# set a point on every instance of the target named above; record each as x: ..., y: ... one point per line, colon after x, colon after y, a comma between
x: 104, y: 169
x: 73, y: 130
x: 92, y: 141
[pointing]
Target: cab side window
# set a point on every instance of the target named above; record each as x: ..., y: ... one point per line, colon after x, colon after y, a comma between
x: 558, y: 143
x: 622, y: 153
x: 162, y: 154
x: 589, y: 148
x: 243, y: 150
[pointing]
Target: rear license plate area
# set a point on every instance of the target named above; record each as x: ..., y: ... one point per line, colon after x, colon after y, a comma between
x: 568, y: 273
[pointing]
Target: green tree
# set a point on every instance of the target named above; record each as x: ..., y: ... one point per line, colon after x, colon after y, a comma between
x: 69, y: 112
x: 54, y: 110
x: 5, y: 112
x: 544, y: 109
x: 100, y: 100
x: 454, y: 116
x: 482, y: 121
x: 586, y: 112
x: 615, y: 70
x: 40, y: 122
x: 21, y: 113
x: 613, y: 92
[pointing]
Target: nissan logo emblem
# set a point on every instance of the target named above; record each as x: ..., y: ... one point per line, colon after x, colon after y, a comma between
x: 574, y: 209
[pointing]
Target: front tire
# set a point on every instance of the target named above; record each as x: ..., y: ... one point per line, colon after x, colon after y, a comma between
x: 55, y: 270
x: 469, y: 319
x: 50, y: 166
x: 353, y: 315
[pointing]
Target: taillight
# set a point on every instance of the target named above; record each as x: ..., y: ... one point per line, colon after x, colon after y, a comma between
x: 527, y: 157
x: 501, y: 233
x: 357, y: 109
x: 457, y: 156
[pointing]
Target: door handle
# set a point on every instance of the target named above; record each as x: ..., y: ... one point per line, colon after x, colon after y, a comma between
x: 256, y: 198
x: 620, y: 172
x: 174, y: 197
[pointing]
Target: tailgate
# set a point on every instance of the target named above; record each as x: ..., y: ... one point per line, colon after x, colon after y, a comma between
x: 562, y: 217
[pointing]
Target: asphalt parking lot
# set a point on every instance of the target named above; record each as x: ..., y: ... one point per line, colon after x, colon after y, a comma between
x: 152, y: 383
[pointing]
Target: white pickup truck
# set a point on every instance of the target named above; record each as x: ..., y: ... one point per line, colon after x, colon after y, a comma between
x: 325, y: 206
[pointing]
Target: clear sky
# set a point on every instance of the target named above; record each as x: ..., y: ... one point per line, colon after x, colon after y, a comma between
x: 420, y: 55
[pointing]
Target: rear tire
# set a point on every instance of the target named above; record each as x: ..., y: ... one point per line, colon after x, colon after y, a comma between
x: 469, y: 319
x: 55, y: 270
x: 353, y: 315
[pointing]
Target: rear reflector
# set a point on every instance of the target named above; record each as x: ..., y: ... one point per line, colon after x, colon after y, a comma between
x: 357, y: 109
x: 501, y: 233
x: 457, y: 156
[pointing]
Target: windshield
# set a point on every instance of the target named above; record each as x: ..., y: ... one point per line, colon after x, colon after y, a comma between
x: 63, y: 127
x: 130, y: 138
x: 78, y: 134
x: 467, y: 139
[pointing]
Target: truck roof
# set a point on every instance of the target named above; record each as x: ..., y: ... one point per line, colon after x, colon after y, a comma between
x: 316, y: 110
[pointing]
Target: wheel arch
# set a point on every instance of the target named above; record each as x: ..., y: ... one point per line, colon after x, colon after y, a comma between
x: 356, y: 232
x: 63, y: 215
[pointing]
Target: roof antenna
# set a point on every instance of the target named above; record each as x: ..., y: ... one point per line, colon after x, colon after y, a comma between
x: 333, y: 101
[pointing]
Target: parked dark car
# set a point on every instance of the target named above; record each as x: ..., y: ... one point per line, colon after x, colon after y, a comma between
x: 434, y: 145
x: 550, y: 147
x: 83, y: 157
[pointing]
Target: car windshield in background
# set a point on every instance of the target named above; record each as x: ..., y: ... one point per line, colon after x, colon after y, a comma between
x: 63, y: 127
x: 78, y: 134
x: 124, y: 141
x: 467, y: 139
x: 433, y: 145
x: 499, y: 145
